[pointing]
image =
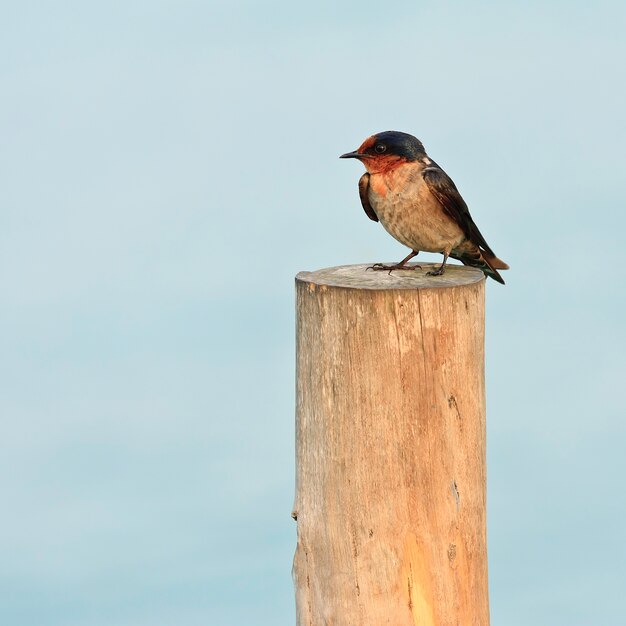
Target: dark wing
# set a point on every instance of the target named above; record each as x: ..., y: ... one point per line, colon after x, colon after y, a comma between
x: 364, y: 185
x: 442, y: 187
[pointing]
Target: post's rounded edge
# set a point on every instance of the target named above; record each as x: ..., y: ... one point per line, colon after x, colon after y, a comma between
x: 359, y: 276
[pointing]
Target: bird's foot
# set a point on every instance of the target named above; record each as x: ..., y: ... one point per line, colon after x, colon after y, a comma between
x: 438, y: 272
x: 397, y: 266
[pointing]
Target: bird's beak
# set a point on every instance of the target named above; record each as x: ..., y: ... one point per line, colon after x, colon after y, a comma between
x: 352, y: 155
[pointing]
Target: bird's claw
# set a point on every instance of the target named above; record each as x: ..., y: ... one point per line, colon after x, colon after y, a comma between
x: 438, y: 272
x: 390, y: 268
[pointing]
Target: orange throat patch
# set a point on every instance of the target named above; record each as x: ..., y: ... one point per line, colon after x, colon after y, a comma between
x: 381, y: 164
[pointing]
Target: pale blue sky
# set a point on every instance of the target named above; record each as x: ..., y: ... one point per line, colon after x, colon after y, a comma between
x: 167, y: 167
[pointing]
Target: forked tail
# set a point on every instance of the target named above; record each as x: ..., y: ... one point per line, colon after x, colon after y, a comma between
x: 488, y: 262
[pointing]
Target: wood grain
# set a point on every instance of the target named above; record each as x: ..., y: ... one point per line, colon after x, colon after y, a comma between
x: 390, y: 450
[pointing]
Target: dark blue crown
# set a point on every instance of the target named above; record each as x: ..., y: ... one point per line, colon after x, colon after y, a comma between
x: 402, y: 144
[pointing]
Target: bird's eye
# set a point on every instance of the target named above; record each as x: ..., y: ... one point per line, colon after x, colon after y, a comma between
x: 380, y: 148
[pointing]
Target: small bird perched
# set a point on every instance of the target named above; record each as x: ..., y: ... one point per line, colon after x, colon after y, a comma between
x: 418, y: 204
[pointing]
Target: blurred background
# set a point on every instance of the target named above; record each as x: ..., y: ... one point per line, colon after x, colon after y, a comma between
x: 167, y: 167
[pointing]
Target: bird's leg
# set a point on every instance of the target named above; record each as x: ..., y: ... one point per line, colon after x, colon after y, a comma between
x: 440, y: 270
x: 398, y: 266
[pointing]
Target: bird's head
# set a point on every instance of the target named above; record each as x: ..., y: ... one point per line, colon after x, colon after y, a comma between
x: 385, y: 151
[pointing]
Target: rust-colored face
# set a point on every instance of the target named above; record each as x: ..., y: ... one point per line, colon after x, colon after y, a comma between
x: 377, y: 156
x: 368, y: 144
x: 376, y: 162
x: 385, y: 163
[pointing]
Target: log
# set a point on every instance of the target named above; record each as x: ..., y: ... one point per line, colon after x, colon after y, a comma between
x: 390, y: 448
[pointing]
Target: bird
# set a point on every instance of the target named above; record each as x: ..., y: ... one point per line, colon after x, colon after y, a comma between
x: 419, y: 205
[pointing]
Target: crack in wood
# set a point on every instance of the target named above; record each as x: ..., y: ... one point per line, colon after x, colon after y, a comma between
x: 452, y: 403
x: 456, y: 494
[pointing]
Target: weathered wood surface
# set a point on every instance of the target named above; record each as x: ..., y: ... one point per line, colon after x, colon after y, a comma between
x: 390, y: 478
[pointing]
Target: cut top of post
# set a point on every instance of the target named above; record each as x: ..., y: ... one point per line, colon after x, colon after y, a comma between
x: 360, y: 277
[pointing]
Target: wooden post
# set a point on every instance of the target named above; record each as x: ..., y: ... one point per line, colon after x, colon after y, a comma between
x: 390, y: 477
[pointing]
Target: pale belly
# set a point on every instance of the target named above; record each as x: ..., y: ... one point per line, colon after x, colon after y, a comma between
x: 415, y: 218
